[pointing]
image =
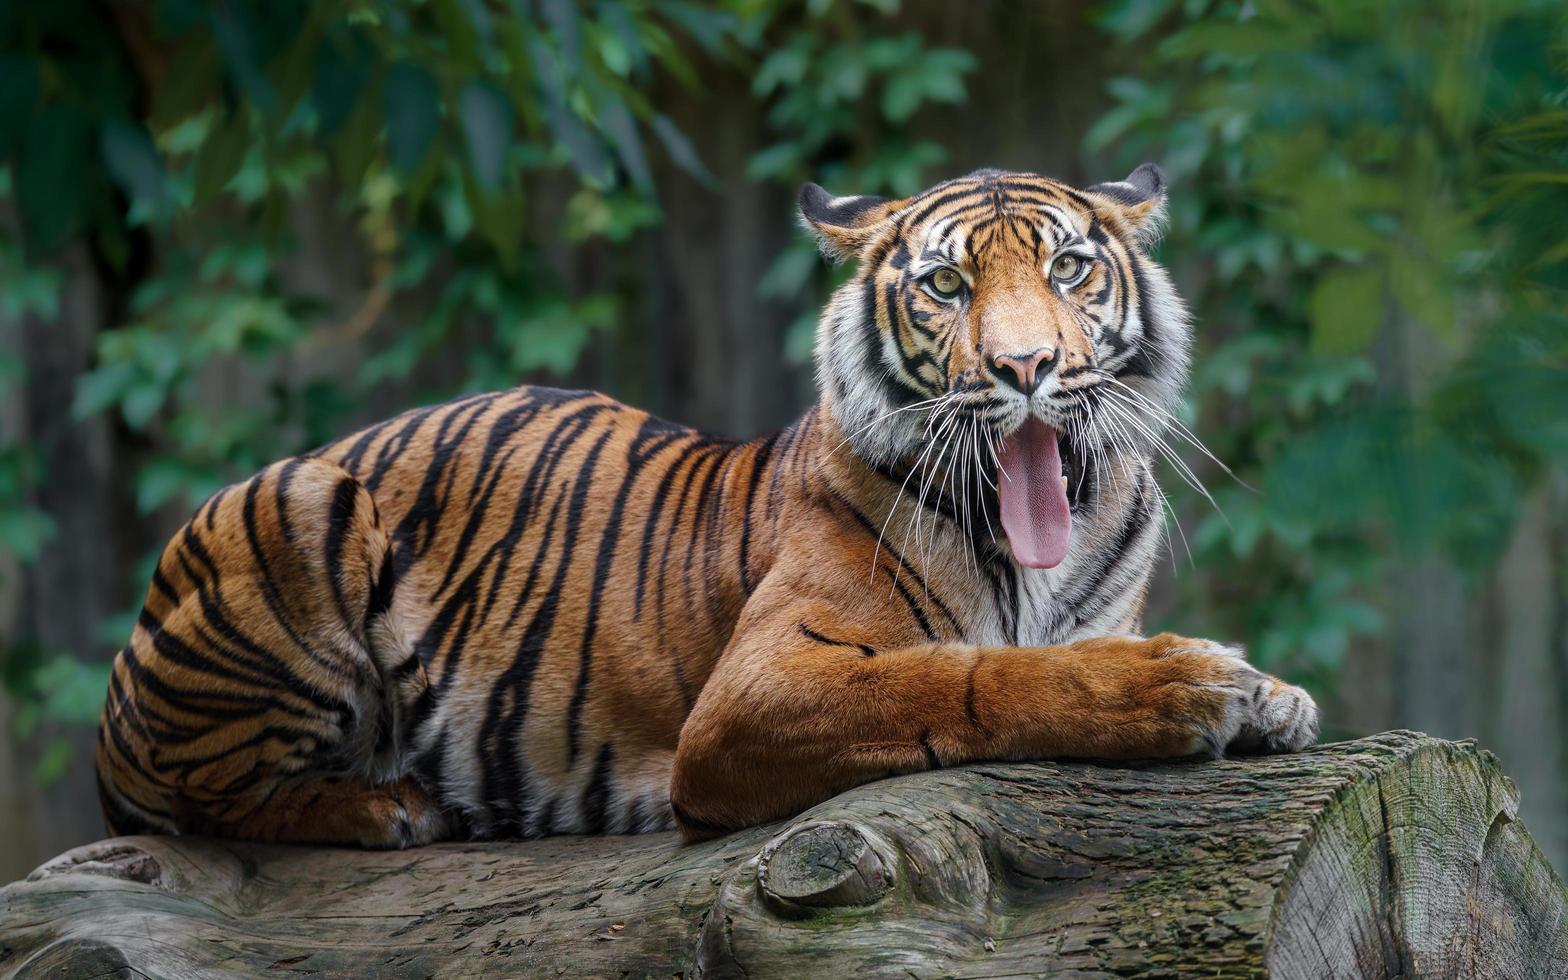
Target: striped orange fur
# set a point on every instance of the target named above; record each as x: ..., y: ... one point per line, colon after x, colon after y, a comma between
x: 542, y: 611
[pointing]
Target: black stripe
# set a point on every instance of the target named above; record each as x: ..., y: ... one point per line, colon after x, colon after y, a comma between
x: 681, y: 497
x: 894, y: 390
x: 661, y: 496
x: 1135, y: 520
x: 759, y: 462
x: 596, y: 797
x: 280, y: 497
x: 700, y: 507
x: 971, y: 712
x: 381, y: 594
x: 338, y: 517
x: 211, y: 506
x: 914, y: 608
x: 120, y: 820
x: 161, y: 583
x: 816, y: 637
x: 392, y: 449
x: 270, y: 590
x: 1143, y: 362
x: 942, y: 200
x: 871, y: 529
x: 417, y: 529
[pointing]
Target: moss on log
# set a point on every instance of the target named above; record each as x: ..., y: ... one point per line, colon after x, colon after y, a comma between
x: 1391, y: 856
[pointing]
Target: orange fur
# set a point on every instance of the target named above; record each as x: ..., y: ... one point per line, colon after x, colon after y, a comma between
x: 542, y: 611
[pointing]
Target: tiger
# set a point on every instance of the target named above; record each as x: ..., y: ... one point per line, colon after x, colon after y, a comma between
x: 541, y: 611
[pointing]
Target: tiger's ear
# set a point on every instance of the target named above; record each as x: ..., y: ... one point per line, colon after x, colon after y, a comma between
x: 1139, y: 200
x: 844, y: 225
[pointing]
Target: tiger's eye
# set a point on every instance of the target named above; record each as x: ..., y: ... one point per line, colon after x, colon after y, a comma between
x: 1066, y: 266
x: 947, y: 282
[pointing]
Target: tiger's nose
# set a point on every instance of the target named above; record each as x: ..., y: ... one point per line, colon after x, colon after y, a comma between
x: 1024, y: 371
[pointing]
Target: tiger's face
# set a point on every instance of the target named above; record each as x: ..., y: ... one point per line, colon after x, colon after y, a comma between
x: 1005, y: 320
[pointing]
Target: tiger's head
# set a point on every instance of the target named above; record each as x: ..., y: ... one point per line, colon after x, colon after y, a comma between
x: 1003, y: 322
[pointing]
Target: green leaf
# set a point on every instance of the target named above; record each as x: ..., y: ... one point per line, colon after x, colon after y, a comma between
x: 774, y: 162
x: 563, y: 19
x: 1129, y: 20
x: 487, y: 120
x: 53, y: 761
x: 498, y: 216
x: 28, y: 289
x: 783, y: 68
x: 133, y: 162
x: 800, y: 339
x: 1236, y: 39
x: 220, y: 158
x: 19, y: 82
x: 341, y: 73
x: 413, y: 114
x: 102, y: 387
x: 235, y: 34
x: 618, y: 122
x: 160, y: 481
x: 24, y: 531
x: 52, y: 188
x: 1346, y: 308
x: 613, y: 52
x: 903, y: 95
x: 354, y: 145
x: 1425, y: 291
x: 587, y: 155
x: 140, y: 403
x: 74, y: 689
x: 457, y: 29
x: 188, y: 91
x: 682, y: 153
x: 790, y: 273
x: 706, y: 26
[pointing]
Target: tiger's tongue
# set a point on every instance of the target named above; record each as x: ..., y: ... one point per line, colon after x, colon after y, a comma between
x: 1034, y: 496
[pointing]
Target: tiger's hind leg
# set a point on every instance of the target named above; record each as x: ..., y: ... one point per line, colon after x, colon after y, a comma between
x: 336, y: 810
x: 259, y: 694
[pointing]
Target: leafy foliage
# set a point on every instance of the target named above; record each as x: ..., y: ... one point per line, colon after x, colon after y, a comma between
x: 1383, y: 349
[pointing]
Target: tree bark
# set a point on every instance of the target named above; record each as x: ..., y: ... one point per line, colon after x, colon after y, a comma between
x: 1391, y: 856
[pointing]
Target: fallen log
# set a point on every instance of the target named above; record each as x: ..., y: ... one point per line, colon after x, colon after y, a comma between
x: 1392, y: 856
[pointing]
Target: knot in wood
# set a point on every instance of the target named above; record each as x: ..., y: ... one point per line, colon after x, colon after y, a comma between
x: 823, y: 864
x: 111, y: 858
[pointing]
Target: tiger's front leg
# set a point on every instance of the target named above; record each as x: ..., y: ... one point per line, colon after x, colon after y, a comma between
x: 803, y: 706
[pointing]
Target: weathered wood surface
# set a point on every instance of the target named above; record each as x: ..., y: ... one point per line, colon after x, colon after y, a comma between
x: 1392, y: 856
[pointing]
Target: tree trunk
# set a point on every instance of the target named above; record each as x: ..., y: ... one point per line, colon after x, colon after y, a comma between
x: 1392, y: 856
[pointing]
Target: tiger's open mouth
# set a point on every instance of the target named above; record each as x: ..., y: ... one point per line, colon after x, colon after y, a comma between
x: 1039, y: 480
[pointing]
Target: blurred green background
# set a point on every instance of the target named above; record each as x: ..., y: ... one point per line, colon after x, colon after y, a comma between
x: 229, y: 231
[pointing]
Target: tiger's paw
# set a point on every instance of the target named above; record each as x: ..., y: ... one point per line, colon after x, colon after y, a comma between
x: 1226, y: 704
x: 402, y: 815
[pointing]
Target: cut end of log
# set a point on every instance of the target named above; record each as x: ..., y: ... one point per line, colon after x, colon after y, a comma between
x: 1395, y: 855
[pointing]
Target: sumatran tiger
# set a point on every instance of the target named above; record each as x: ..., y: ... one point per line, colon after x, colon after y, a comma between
x: 540, y: 611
